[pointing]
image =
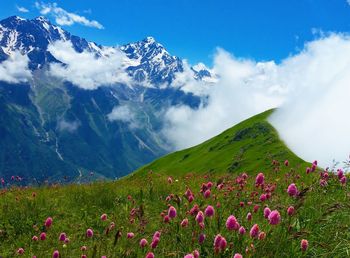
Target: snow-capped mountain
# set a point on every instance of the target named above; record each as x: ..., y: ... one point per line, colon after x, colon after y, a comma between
x: 52, y: 128
x: 32, y: 37
x: 149, y: 62
x: 153, y: 63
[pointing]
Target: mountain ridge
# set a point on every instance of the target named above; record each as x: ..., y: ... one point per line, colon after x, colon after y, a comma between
x: 250, y: 145
x: 63, y: 132
x: 33, y: 36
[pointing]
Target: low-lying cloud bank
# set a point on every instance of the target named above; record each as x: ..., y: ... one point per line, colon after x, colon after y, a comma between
x: 312, y: 89
x: 124, y: 114
x: 314, y: 120
x: 64, y: 125
x: 15, y: 68
x: 85, y: 69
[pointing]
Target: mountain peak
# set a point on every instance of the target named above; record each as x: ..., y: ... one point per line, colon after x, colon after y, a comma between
x: 200, y: 67
x: 42, y: 19
x: 12, y: 20
x: 150, y: 40
x: 15, y: 17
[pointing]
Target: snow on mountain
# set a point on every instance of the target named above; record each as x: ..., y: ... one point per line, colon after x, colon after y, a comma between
x: 62, y: 109
x: 153, y: 64
x: 146, y: 61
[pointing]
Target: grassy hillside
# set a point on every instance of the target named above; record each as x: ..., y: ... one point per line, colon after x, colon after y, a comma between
x: 249, y: 146
x: 140, y: 208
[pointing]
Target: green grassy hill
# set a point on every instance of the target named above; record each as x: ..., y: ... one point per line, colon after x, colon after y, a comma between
x: 140, y: 203
x: 248, y: 146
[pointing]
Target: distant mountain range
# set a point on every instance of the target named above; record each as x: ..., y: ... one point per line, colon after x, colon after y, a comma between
x: 54, y: 130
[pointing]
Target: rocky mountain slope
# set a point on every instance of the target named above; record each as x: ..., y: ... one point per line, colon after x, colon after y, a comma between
x: 53, y: 129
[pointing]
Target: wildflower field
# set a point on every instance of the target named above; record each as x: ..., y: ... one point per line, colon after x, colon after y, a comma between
x: 274, y: 208
x: 280, y: 213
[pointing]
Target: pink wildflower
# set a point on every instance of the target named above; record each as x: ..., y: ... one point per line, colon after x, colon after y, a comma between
x: 292, y: 190
x: 150, y: 255
x: 304, y: 244
x: 343, y: 180
x: 156, y: 234
x: 63, y: 236
x: 220, y: 242
x: 207, y: 193
x: 232, y: 223
x: 55, y: 254
x: 184, y: 223
x: 323, y: 183
x: 209, y: 211
x: 340, y: 173
x: 20, y: 251
x: 262, y: 235
x: 249, y: 216
x: 254, y: 231
x: 104, y: 217
x: 166, y: 218
x: 200, y: 217
x: 172, y: 212
x: 263, y: 197
x: 290, y: 210
x: 130, y: 235
x: 259, y: 180
x: 155, y: 242
x: 143, y: 242
x: 48, y: 222
x: 201, y: 238
x: 43, y: 236
x: 242, y: 230
x: 267, y: 212
x: 89, y: 232
x: 256, y: 208
x: 274, y: 217
x: 313, y: 167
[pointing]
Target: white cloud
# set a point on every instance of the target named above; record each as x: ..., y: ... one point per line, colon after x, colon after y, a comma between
x: 70, y: 127
x: 241, y: 91
x: 63, y: 17
x: 348, y: 1
x: 185, y: 80
x: 124, y: 114
x: 314, y: 120
x: 85, y: 69
x: 22, y: 9
x: 312, y: 89
x: 15, y: 68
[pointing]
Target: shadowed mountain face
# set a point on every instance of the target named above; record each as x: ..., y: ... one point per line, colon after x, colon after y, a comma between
x: 53, y: 130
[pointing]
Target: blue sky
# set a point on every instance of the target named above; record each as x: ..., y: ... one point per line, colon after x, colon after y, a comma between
x: 192, y: 29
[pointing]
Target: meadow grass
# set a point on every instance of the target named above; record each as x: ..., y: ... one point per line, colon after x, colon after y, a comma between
x: 322, y: 216
x: 225, y: 168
